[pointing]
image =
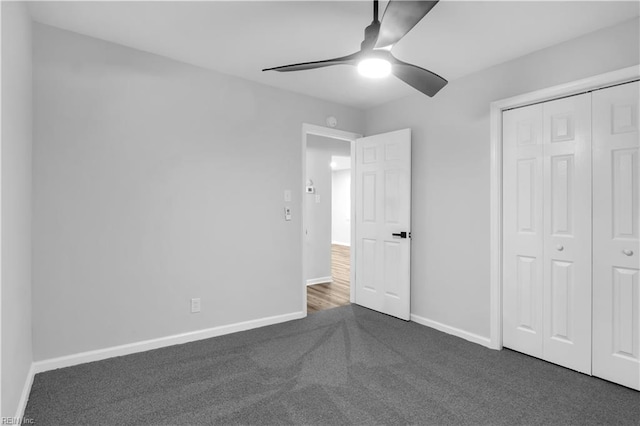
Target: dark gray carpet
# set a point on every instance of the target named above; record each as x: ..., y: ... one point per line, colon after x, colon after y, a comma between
x: 347, y: 365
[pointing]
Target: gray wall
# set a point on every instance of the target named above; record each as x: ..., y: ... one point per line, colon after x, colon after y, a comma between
x: 156, y: 182
x: 450, y: 168
x: 318, y: 232
x: 341, y: 207
x: 15, y: 226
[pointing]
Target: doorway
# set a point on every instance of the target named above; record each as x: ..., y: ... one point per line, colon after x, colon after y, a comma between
x: 327, y: 217
x: 328, y: 226
x: 380, y: 217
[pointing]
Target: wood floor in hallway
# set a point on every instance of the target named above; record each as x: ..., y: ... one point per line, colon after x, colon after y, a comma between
x: 332, y: 295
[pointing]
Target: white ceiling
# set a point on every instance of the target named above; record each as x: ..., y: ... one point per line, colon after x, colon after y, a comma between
x: 240, y: 38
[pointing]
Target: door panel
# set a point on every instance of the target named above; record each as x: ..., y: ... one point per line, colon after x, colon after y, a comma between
x: 368, y: 276
x: 369, y: 197
x: 562, y: 289
x: 562, y: 187
x: 526, y: 288
x: 522, y: 228
x: 625, y: 188
x: 616, y: 192
x: 526, y: 192
x: 383, y: 207
x: 567, y: 232
x: 392, y: 269
x: 625, y: 327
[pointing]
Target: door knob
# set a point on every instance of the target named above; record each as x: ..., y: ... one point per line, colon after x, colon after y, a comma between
x: 559, y: 247
x: 627, y: 252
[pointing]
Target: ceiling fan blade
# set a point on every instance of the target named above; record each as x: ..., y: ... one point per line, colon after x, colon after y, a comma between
x: 420, y: 79
x: 398, y: 19
x: 344, y: 60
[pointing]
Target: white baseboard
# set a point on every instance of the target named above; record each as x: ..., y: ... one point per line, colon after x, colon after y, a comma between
x: 471, y: 337
x: 321, y: 280
x: 26, y: 390
x: 147, y: 345
x: 340, y: 243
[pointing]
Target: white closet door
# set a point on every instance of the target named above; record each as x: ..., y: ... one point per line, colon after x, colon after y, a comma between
x: 567, y: 232
x: 616, y: 193
x: 523, y: 229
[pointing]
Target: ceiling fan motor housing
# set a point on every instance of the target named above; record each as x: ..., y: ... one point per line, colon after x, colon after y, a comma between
x: 370, y: 36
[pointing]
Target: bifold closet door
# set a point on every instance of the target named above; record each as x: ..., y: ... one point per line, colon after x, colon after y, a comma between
x: 523, y: 229
x: 616, y: 260
x: 567, y: 232
x: 547, y: 231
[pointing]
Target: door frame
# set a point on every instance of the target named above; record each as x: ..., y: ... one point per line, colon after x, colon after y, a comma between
x: 624, y: 75
x: 327, y: 132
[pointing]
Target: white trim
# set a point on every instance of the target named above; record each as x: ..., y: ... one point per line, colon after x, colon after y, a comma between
x: 1, y: 339
x: 471, y: 337
x: 328, y: 132
x: 147, y: 345
x: 587, y: 84
x: 352, y: 247
x: 573, y: 88
x: 26, y: 390
x: 312, y: 129
x: 340, y: 243
x: 495, y: 228
x: 321, y: 280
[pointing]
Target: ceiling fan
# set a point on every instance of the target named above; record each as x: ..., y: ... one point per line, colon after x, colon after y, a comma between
x: 375, y: 59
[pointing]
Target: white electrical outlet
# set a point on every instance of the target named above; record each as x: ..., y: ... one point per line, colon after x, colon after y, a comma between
x: 195, y: 305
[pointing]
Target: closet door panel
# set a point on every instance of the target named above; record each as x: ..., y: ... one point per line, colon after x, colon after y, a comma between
x: 616, y: 261
x: 522, y: 227
x: 567, y: 232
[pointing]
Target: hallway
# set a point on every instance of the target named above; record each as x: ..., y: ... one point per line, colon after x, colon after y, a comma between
x: 331, y: 295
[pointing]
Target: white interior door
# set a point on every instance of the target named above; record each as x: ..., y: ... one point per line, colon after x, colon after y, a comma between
x: 616, y: 194
x: 383, y: 208
x: 567, y: 232
x: 523, y: 229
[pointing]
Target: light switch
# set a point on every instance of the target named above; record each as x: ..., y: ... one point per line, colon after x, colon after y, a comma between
x: 287, y: 195
x: 317, y: 198
x: 287, y: 213
x: 195, y: 305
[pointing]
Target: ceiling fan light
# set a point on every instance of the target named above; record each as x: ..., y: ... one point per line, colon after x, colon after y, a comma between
x: 374, y: 67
